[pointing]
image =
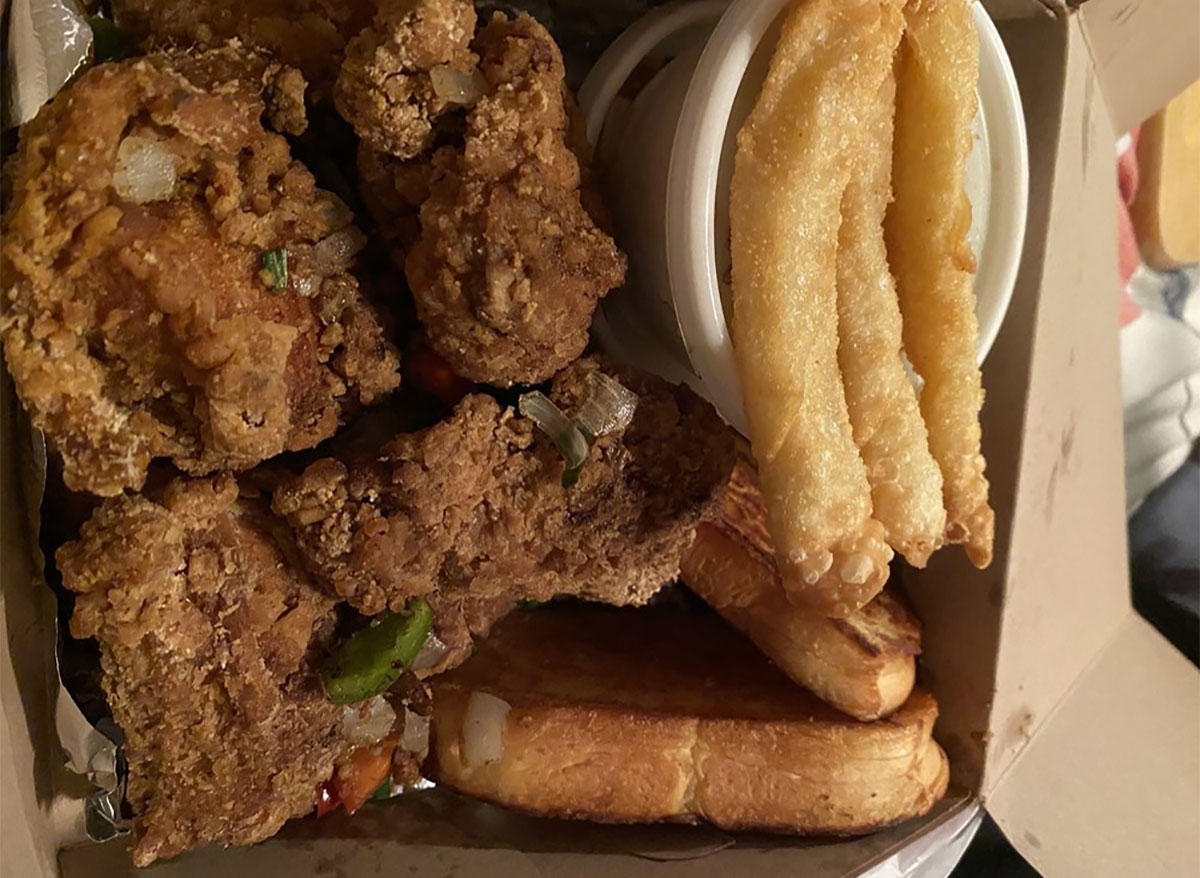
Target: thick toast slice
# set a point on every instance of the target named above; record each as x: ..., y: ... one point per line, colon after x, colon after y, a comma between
x: 621, y: 715
x: 863, y: 664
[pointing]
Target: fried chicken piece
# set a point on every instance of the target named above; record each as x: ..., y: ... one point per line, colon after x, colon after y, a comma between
x: 400, y: 74
x: 509, y: 266
x: 142, y: 313
x: 205, y: 628
x: 393, y: 191
x: 310, y: 35
x: 475, y: 509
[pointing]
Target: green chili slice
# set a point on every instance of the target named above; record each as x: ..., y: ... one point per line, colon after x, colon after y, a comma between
x: 372, y: 659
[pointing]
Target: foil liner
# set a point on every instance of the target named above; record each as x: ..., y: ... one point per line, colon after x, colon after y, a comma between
x: 48, y: 42
x: 92, y: 751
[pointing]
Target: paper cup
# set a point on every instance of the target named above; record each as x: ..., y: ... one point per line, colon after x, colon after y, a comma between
x: 665, y: 159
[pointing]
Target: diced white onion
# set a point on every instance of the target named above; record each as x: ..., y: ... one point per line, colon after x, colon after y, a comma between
x: 457, y: 86
x: 609, y: 406
x: 368, y: 722
x: 335, y: 253
x: 145, y: 170
x: 483, y: 729
x: 415, y: 738
x: 431, y: 653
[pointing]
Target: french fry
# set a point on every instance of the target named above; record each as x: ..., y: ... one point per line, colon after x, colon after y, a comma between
x: 790, y: 173
x: 906, y: 484
x: 936, y: 72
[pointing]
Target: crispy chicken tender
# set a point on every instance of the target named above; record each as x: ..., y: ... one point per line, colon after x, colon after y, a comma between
x: 411, y: 65
x: 509, y: 266
x: 906, y: 484
x: 790, y: 173
x: 205, y: 628
x: 474, y: 508
x: 140, y: 319
x: 307, y: 34
x: 937, y: 69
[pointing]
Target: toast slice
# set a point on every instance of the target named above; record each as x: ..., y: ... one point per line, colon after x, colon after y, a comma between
x: 640, y: 715
x: 863, y: 664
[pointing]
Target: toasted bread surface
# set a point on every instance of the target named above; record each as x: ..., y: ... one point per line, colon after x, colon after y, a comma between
x: 646, y: 715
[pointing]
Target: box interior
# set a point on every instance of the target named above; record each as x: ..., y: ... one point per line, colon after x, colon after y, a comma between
x: 1025, y: 658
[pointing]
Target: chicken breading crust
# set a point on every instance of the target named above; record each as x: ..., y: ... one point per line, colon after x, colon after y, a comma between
x: 205, y: 628
x: 387, y: 87
x: 509, y: 267
x: 307, y: 34
x: 475, y: 506
x: 139, y: 319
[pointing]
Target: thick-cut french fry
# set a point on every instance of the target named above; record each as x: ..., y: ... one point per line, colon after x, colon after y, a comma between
x: 789, y: 175
x: 906, y: 484
x: 936, y: 72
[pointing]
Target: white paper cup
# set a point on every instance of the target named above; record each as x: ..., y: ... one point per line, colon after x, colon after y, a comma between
x: 665, y: 159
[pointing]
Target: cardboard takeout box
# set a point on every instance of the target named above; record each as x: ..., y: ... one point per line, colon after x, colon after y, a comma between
x: 1073, y: 722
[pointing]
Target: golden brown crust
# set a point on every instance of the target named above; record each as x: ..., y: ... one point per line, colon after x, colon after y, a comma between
x: 937, y: 69
x: 863, y: 664
x: 306, y: 34
x: 632, y: 716
x: 509, y: 266
x: 205, y: 627
x: 790, y: 172
x: 475, y: 508
x: 385, y: 89
x: 143, y: 330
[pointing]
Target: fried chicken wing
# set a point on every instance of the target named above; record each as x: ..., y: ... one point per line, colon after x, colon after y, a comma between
x: 175, y: 285
x: 475, y: 507
x: 508, y: 266
x: 310, y: 35
x: 411, y: 65
x: 205, y: 630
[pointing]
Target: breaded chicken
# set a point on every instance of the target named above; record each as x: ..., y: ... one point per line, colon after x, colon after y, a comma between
x: 205, y: 628
x: 475, y: 507
x: 175, y: 285
x: 310, y: 35
x: 400, y: 74
x: 393, y: 191
x: 508, y: 266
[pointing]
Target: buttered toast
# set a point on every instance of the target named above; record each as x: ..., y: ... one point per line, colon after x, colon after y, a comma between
x: 655, y: 714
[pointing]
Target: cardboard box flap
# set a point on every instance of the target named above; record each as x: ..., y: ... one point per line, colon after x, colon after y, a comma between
x: 1108, y: 786
x: 1083, y: 688
x: 1067, y: 554
x: 1145, y: 53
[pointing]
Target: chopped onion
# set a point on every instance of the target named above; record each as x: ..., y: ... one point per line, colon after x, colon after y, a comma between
x: 483, y: 729
x: 145, y: 170
x: 368, y: 722
x: 432, y: 652
x: 609, y: 406
x: 564, y: 432
x: 415, y: 738
x: 334, y: 210
x: 335, y: 253
x: 457, y: 86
